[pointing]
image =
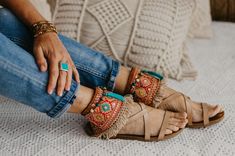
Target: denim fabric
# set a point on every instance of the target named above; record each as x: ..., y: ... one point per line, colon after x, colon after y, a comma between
x: 21, y: 80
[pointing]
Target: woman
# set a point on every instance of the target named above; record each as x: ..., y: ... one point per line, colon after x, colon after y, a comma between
x: 54, y: 74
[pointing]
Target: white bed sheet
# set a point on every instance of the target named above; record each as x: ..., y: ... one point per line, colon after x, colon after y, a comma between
x: 26, y: 132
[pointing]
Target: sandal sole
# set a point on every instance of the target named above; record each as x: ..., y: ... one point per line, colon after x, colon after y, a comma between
x: 141, y: 138
x: 214, y: 120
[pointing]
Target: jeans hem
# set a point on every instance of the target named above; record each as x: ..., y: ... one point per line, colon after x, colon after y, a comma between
x: 113, y: 75
x: 65, y: 102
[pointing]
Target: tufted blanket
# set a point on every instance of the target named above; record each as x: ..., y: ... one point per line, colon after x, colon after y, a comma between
x: 26, y: 132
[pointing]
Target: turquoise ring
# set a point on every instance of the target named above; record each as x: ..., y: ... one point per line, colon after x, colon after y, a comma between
x: 64, y: 66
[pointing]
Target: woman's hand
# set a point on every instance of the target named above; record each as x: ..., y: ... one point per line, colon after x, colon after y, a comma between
x: 49, y: 51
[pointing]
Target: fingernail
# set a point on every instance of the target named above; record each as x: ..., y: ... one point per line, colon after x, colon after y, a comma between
x: 50, y: 92
x: 43, y: 68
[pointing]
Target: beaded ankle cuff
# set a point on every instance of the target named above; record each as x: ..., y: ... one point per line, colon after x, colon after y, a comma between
x: 143, y: 85
x: 106, y: 111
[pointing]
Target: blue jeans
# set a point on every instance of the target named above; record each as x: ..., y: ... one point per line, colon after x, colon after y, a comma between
x: 21, y: 80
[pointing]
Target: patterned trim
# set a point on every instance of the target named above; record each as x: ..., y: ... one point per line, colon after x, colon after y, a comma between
x: 104, y: 110
x: 143, y: 85
x: 96, y: 98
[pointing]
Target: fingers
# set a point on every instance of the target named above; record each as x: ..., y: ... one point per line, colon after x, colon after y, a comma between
x: 53, y: 75
x: 61, y: 79
x: 40, y: 59
x: 61, y: 82
x: 72, y: 71
x: 49, y: 51
x: 69, y: 80
x: 75, y: 73
x: 65, y: 79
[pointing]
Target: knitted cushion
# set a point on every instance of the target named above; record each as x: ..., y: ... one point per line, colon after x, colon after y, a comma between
x: 201, y: 23
x: 143, y: 33
x: 43, y: 7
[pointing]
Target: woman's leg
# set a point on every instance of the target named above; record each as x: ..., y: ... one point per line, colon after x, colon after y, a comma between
x: 22, y: 81
x: 95, y: 69
x: 16, y: 55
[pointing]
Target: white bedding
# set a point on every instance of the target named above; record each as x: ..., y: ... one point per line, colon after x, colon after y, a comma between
x: 24, y: 131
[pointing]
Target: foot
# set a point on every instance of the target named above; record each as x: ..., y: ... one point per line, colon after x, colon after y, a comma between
x: 110, y: 115
x: 156, y: 116
x: 150, y: 88
x: 176, y: 103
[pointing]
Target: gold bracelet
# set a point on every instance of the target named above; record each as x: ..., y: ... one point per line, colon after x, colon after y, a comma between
x: 43, y: 27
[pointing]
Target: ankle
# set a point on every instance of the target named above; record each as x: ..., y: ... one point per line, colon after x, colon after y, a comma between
x: 84, y: 96
x: 122, y: 80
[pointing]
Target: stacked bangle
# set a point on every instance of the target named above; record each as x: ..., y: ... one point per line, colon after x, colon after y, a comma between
x: 43, y: 27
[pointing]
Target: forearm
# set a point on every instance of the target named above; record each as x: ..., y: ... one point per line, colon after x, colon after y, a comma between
x: 24, y: 10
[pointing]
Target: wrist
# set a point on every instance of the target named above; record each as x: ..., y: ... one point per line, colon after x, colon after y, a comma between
x: 42, y: 27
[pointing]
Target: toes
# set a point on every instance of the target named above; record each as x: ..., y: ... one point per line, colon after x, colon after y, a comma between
x: 221, y: 109
x: 173, y: 128
x: 181, y: 123
x: 175, y: 121
x: 168, y: 131
x: 182, y: 115
x: 215, y: 110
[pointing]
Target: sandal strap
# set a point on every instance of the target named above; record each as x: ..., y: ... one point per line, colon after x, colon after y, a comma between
x: 164, y: 125
x: 188, y: 105
x: 147, y: 126
x: 205, y: 114
x: 144, y: 112
x: 138, y: 115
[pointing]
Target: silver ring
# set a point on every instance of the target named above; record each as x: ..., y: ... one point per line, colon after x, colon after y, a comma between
x: 64, y: 66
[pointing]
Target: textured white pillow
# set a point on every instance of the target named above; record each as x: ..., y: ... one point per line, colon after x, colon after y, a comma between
x: 43, y: 7
x: 201, y: 21
x: 143, y: 33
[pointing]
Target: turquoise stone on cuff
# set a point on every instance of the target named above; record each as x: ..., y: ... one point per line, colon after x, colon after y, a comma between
x: 154, y: 74
x: 116, y: 96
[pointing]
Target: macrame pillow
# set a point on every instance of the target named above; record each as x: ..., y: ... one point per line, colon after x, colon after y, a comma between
x: 201, y: 21
x: 42, y: 7
x: 143, y: 33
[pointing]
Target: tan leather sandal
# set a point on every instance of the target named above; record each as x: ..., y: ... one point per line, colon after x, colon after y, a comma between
x: 207, y: 121
x: 143, y: 113
x: 149, y: 88
x: 108, y: 113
